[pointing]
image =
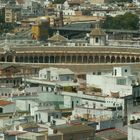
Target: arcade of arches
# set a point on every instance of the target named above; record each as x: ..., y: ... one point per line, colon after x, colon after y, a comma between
x: 70, y: 58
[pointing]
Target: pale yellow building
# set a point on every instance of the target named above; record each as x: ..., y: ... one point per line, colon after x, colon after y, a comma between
x: 12, y: 14
x: 40, y: 28
x: 99, y: 1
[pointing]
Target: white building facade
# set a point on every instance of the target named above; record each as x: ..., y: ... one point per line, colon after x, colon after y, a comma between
x: 120, y: 81
x: 134, y: 131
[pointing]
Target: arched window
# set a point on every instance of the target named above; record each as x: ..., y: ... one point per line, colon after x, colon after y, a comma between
x: 96, y: 39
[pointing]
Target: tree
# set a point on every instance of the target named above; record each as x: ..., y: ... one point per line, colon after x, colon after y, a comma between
x: 112, y: 1
x: 59, y: 1
x: 127, y: 21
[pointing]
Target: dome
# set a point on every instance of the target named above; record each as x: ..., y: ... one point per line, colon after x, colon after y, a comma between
x: 42, y: 20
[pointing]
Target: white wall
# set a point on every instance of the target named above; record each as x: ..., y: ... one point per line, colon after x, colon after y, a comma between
x: 66, y: 5
x: 92, y: 104
x: 137, y: 2
x: 2, y: 136
x: 21, y: 104
x: 42, y: 116
x: 133, y: 134
x: 135, y: 116
x: 67, y: 101
x: 108, y: 84
x: 68, y: 12
x: 122, y: 71
x: 5, y: 121
x: 11, y: 108
x: 24, y: 106
x: 114, y: 102
x: 101, y: 40
x: 98, y: 113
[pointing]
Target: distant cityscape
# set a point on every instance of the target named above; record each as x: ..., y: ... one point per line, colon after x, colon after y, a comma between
x: 69, y: 69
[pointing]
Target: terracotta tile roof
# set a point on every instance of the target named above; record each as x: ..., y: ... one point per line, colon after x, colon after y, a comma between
x: 4, y: 103
x: 58, y: 37
x: 97, y: 32
x: 15, y: 133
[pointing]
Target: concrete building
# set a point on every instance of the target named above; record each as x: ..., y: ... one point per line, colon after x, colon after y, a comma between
x: 31, y: 136
x: 47, y: 115
x: 69, y: 12
x: 132, y: 105
x: 54, y: 80
x: 7, y: 106
x: 97, y: 37
x: 134, y: 131
x: 97, y: 115
x: 99, y: 1
x: 137, y: 2
x: 18, y: 135
x: 12, y: 14
x: 120, y: 81
x: 58, y: 19
x: 55, y: 74
x: 73, y: 132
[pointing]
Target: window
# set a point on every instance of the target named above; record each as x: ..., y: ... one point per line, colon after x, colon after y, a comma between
x: 125, y: 70
x: 121, y: 81
x: 115, y: 72
x: 99, y: 73
x: 57, y: 116
x: 45, y: 76
x: 96, y: 39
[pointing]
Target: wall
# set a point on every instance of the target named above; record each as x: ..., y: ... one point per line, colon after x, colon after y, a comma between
x: 122, y: 71
x: 99, y: 1
x: 42, y: 116
x: 98, y: 113
x: 108, y: 84
x: 4, y: 121
x: 66, y: 77
x: 114, y: 102
x: 69, y: 12
x: 67, y: 101
x: 80, y: 135
x: 92, y: 104
x: 51, y: 97
x: 55, y: 137
x: 105, y: 124
x: 9, y: 108
x: 133, y: 134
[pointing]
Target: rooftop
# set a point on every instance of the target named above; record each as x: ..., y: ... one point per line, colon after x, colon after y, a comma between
x: 5, y: 103
x: 57, y: 38
x: 97, y: 32
x: 61, y: 71
x: 29, y: 125
x: 73, y: 128
x: 135, y: 126
x: 14, y: 133
x: 112, y: 134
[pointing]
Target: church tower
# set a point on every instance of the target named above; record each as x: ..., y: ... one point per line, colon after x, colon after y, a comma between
x: 97, y: 36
